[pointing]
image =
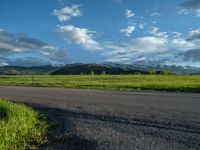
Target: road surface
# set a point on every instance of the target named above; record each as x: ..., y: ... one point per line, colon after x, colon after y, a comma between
x: 114, y: 120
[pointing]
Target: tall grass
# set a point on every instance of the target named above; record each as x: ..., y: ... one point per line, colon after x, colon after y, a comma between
x: 188, y: 83
x: 20, y: 127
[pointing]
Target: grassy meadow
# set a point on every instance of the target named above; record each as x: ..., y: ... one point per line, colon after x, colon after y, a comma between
x: 20, y: 127
x: 182, y: 83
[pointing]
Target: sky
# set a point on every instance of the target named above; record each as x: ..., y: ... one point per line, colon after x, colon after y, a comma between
x: 43, y: 32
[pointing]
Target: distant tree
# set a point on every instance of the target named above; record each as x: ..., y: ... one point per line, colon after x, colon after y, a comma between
x: 103, y: 73
x: 165, y: 72
x: 92, y: 73
x: 138, y: 73
x: 153, y: 71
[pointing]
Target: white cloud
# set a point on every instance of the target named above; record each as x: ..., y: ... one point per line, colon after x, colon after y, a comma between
x: 194, y: 35
x: 176, y: 34
x: 67, y: 12
x: 149, y: 43
x: 11, y: 44
x: 156, y: 14
x: 198, y: 13
x: 54, y: 51
x: 81, y: 36
x: 3, y: 62
x: 190, y: 6
x: 118, y: 60
x: 183, y: 12
x: 194, y: 32
x: 129, y: 13
x: 190, y: 43
x: 128, y: 31
x: 154, y: 22
x: 141, y: 26
x: 56, y: 54
x: 155, y: 31
x: 135, y: 49
x: 183, y: 44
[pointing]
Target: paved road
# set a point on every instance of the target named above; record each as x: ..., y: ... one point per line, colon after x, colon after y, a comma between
x: 92, y: 119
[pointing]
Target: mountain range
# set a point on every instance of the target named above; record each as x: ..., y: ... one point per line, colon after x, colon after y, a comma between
x: 105, y: 68
x: 17, y: 70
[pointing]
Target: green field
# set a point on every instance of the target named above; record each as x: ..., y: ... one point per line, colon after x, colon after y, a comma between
x: 185, y: 83
x: 20, y: 127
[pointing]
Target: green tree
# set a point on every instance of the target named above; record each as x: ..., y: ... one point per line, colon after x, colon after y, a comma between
x: 153, y: 71
x: 103, y: 73
x: 92, y: 73
x: 165, y: 72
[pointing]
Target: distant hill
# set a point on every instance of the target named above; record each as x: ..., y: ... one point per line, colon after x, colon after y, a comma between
x: 77, y: 69
x: 16, y: 70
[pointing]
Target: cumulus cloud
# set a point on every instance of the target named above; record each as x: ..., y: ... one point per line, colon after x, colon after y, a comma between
x: 191, y: 42
x: 141, y: 26
x: 11, y: 44
x: 183, y: 12
x: 156, y: 50
x: 56, y: 54
x: 153, y: 48
x: 80, y: 36
x: 147, y: 57
x: 182, y: 44
x: 157, y: 47
x: 128, y: 31
x: 149, y: 43
x: 129, y: 13
x: 155, y: 31
x: 198, y: 12
x: 194, y: 34
x: 136, y: 49
x: 3, y: 62
x: 67, y: 13
x: 188, y: 49
x: 191, y: 5
x: 176, y: 34
x: 125, y: 52
x: 155, y: 14
x: 192, y: 55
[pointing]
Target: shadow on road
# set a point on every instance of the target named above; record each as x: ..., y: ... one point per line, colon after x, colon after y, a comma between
x: 61, y: 132
x: 63, y: 135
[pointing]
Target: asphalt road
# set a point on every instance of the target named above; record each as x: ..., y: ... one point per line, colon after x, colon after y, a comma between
x: 92, y: 119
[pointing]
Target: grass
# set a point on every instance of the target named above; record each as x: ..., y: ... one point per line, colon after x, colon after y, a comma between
x: 20, y: 127
x: 183, y: 83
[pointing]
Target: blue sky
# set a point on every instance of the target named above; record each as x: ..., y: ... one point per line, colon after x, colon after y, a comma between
x: 41, y: 32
